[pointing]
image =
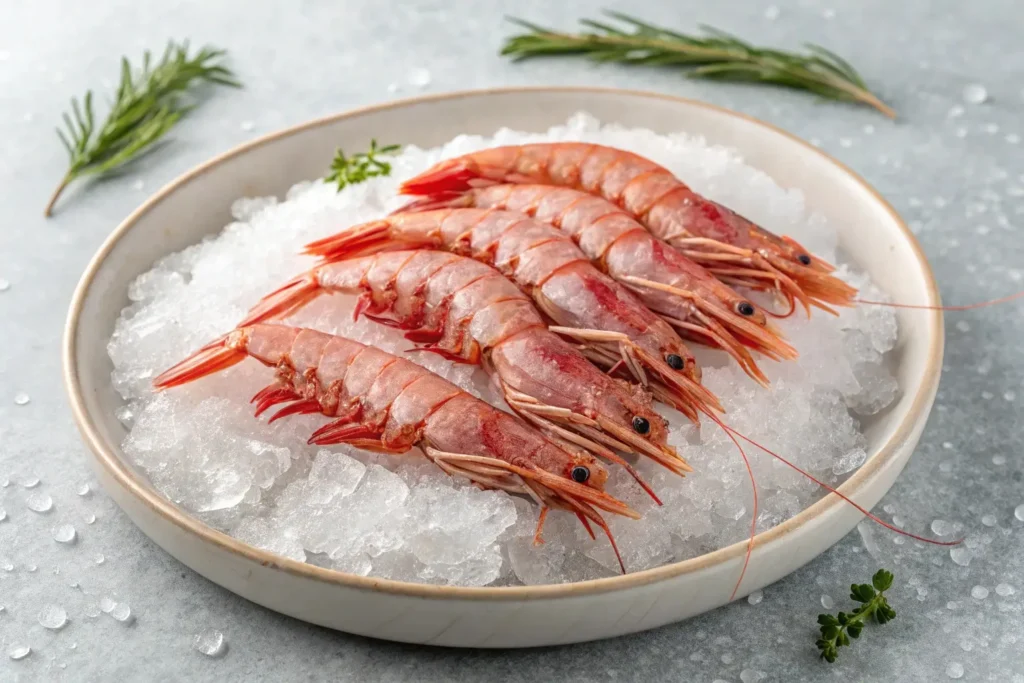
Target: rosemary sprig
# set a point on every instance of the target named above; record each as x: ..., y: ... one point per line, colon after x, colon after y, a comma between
x: 714, y: 55
x: 145, y: 107
x: 837, y: 631
x: 359, y: 167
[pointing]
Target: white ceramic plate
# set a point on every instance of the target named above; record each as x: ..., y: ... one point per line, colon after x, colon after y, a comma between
x: 197, y: 204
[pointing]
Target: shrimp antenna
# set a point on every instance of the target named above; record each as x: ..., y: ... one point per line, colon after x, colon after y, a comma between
x: 924, y: 307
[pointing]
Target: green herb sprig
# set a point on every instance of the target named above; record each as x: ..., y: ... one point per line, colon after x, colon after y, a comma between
x: 836, y: 631
x: 360, y: 167
x: 146, y: 106
x: 713, y: 55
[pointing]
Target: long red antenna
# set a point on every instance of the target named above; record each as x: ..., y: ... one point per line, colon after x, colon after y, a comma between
x: 967, y: 307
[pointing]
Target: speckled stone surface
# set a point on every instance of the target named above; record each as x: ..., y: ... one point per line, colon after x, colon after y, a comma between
x: 953, y: 168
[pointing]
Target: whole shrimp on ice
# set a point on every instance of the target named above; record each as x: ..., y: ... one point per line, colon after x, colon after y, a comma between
x: 731, y: 247
x: 689, y: 298
x: 387, y: 404
x: 613, y: 327
x: 468, y: 312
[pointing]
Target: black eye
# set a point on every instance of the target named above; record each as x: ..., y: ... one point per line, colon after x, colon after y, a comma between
x: 745, y: 308
x: 804, y: 259
x: 580, y: 474
x: 674, y: 361
x: 641, y: 425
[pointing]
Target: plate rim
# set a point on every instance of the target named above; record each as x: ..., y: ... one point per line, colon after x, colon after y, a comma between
x: 113, y: 466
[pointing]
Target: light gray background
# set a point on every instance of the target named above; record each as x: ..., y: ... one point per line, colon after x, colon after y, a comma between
x: 957, y: 179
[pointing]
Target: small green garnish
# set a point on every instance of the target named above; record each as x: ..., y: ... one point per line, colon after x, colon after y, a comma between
x: 836, y: 631
x: 360, y: 167
x: 144, y: 109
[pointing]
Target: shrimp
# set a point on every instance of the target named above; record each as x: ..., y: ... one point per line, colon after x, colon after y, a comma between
x: 614, y: 329
x: 730, y: 246
x: 468, y: 312
x: 697, y: 305
x: 390, y: 405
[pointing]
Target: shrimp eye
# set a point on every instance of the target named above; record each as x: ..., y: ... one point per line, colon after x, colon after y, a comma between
x: 641, y: 425
x: 804, y: 259
x: 745, y: 308
x: 674, y: 362
x: 580, y: 474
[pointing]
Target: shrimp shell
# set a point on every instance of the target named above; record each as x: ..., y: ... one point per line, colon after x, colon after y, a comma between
x: 733, y: 248
x: 387, y: 404
x: 613, y: 328
x: 468, y: 312
x: 701, y: 308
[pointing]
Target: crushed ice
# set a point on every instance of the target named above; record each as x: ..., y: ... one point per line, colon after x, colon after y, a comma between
x: 398, y: 516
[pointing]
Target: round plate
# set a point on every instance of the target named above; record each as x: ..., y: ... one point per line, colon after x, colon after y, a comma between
x: 197, y: 203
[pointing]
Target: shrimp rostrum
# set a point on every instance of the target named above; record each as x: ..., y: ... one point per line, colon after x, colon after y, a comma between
x: 383, y: 403
x: 610, y: 325
x: 468, y: 312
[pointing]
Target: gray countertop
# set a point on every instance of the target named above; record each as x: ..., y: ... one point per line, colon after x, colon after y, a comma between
x: 952, y: 168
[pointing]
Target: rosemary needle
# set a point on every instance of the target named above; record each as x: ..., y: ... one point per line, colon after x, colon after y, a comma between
x: 712, y: 55
x: 145, y: 107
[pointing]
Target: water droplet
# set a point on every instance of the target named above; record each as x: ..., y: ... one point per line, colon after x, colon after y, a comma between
x: 53, y: 617
x: 1004, y: 590
x: 247, y: 125
x: 92, y: 611
x: 998, y: 459
x: 955, y: 670
x: 89, y: 518
x: 21, y: 398
x: 1018, y: 512
x: 4, y: 285
x: 392, y: 87
x: 6, y: 565
x: 948, y: 445
x: 975, y: 93
x: 751, y: 675
x: 987, y: 395
x: 869, y: 129
x: 952, y: 604
x: 419, y: 78
x: 19, y: 652
x: 771, y: 13
x: 39, y: 502
x: 989, y: 520
x: 1013, y: 138
x: 979, y: 592
x: 755, y: 597
x: 991, y: 128
x: 1009, y: 396
x: 966, y: 645
x: 845, y: 142
x: 727, y: 658
x: 827, y: 602
x: 3, y: 514
x: 31, y: 568
x: 897, y: 521
x: 106, y: 604
x: 30, y: 482
x: 941, y: 527
x: 122, y: 612
x: 83, y: 489
x: 100, y: 559
x: 64, y: 533
x: 138, y: 185
x: 960, y: 555
x: 210, y: 643
x: 956, y: 111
